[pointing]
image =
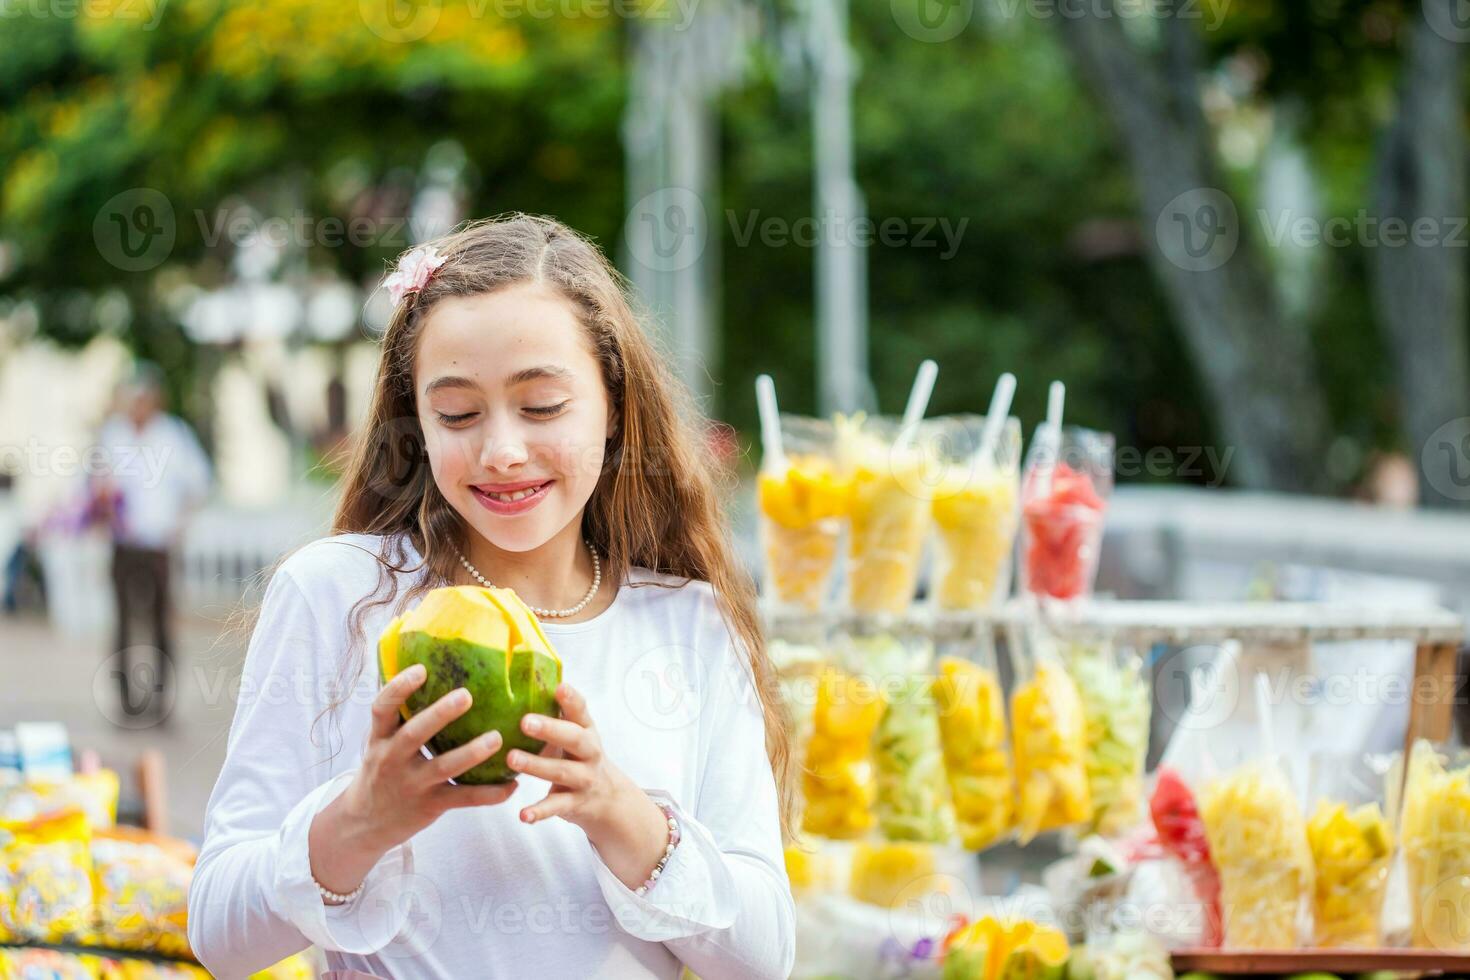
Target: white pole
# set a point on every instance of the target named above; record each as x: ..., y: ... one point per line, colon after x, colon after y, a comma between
x: 841, y: 263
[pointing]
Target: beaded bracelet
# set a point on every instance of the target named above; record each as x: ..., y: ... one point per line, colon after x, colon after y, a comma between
x: 337, y: 898
x: 658, y: 869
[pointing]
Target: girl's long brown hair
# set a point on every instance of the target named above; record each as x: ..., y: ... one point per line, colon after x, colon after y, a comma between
x: 656, y: 504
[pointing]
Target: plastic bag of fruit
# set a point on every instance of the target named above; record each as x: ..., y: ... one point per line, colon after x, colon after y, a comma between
x: 837, y: 779
x: 1049, y: 738
x: 1181, y: 832
x: 1115, y: 700
x: 1434, y: 833
x: 1352, y: 848
x: 977, y: 758
x: 1258, y: 841
x: 912, y: 801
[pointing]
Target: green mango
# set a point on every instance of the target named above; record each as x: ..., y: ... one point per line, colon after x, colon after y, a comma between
x: 484, y: 640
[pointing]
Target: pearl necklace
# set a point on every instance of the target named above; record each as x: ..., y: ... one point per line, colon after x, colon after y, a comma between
x: 550, y: 613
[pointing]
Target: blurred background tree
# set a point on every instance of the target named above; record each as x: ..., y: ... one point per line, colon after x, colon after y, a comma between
x: 1025, y: 127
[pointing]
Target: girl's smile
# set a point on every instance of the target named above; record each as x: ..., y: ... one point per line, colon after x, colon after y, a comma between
x: 510, y: 499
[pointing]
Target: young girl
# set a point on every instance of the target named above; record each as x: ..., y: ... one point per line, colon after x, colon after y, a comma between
x: 523, y: 433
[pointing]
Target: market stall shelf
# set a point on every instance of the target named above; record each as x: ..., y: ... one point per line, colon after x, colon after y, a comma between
x: 1407, y: 961
x: 1436, y: 633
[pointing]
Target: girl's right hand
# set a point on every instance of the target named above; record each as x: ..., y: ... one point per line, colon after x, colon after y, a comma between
x: 398, y: 792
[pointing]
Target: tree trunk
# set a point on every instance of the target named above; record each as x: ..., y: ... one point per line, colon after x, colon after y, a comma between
x: 1257, y: 367
x: 1419, y: 285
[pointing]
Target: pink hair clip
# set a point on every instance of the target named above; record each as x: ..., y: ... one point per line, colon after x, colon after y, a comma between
x: 413, y: 272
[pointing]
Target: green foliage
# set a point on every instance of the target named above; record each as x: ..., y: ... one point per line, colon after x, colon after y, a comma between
x: 299, y: 104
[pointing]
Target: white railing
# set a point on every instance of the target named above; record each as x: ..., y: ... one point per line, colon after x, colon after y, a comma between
x: 225, y: 551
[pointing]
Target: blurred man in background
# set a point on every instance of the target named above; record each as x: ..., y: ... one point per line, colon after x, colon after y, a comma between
x: 156, y: 476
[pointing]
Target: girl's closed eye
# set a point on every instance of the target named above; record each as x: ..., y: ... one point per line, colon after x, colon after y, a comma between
x: 546, y: 411
x: 453, y: 420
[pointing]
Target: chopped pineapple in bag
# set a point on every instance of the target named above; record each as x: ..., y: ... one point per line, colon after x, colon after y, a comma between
x: 837, y: 780
x: 1351, y: 851
x: 1434, y: 832
x: 1259, y: 843
x: 973, y: 726
x: 1049, y: 733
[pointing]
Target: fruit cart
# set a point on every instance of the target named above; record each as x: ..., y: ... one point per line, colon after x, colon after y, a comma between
x: 1285, y: 631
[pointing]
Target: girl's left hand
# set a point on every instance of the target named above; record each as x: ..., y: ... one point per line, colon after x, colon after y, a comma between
x: 622, y: 822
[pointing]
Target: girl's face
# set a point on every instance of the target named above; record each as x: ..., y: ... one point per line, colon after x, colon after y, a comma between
x: 514, y: 412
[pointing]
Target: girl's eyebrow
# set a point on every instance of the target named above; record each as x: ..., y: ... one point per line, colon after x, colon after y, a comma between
x: 449, y: 381
x: 541, y: 372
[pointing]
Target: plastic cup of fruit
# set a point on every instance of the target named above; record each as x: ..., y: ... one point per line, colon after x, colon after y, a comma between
x: 1063, y: 503
x: 975, y: 513
x: 889, y: 511
x: 802, y: 511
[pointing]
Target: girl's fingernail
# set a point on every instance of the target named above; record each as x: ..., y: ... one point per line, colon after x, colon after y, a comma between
x: 462, y: 696
x: 491, y: 740
x: 527, y: 816
x: 515, y: 758
x: 531, y: 724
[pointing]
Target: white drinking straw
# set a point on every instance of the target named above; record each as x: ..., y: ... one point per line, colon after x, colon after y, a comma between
x: 1264, y: 717
x: 995, y: 417
x: 918, y: 403
x: 774, y: 454
x: 1056, y: 396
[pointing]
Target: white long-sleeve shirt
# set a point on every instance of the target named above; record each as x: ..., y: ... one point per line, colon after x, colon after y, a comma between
x: 478, y: 893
